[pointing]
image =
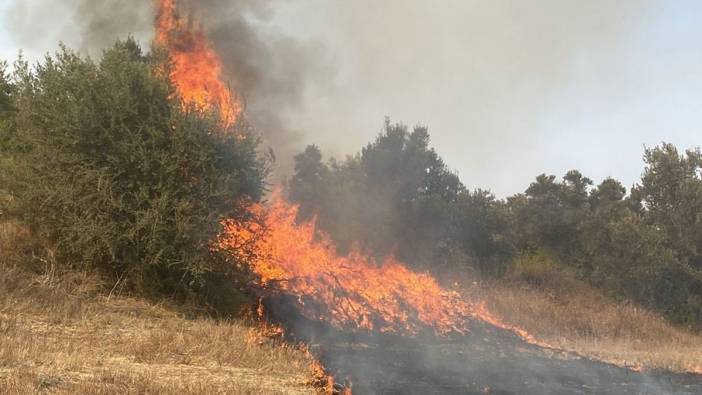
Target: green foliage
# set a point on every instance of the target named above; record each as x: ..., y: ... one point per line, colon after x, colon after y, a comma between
x: 671, y: 189
x: 482, y: 229
x: 109, y: 168
x: 6, y: 115
x: 6, y: 89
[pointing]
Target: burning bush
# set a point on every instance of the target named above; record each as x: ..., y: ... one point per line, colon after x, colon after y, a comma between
x: 104, y: 162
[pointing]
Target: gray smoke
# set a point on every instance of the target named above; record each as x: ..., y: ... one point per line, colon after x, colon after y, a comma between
x: 270, y: 70
x: 509, y: 89
x: 88, y: 25
x: 266, y: 68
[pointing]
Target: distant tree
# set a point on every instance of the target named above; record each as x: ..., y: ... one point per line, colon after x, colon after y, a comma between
x: 395, y: 195
x: 575, y: 190
x: 545, y: 209
x: 112, y: 171
x: 671, y: 189
x: 607, y: 192
x: 481, y: 229
x: 307, y: 185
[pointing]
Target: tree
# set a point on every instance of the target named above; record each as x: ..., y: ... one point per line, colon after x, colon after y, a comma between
x: 481, y: 229
x: 112, y: 171
x: 671, y: 189
x: 5, y: 92
x: 6, y: 109
x: 395, y: 195
x: 6, y: 117
x: 607, y: 192
x: 309, y: 181
x: 574, y: 190
x: 545, y: 210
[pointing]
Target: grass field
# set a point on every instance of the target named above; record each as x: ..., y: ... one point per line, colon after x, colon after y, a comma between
x: 63, y: 333
x: 571, y: 315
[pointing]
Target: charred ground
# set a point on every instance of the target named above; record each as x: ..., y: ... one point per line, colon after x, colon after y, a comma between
x: 487, y: 360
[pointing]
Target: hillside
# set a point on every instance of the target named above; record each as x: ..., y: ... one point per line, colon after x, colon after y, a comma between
x: 65, y: 333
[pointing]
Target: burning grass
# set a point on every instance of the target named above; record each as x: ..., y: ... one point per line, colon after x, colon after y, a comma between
x: 569, y: 314
x: 350, y: 292
x: 61, y: 332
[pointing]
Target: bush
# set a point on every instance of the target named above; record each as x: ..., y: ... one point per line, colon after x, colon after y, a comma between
x: 104, y: 163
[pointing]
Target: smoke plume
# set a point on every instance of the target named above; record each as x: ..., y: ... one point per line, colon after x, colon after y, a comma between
x: 268, y: 69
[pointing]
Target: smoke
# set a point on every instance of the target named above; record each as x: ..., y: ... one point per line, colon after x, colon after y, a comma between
x: 496, y: 81
x: 89, y: 25
x: 268, y: 69
x: 508, y: 89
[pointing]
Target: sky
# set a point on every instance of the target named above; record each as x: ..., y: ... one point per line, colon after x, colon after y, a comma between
x: 508, y: 89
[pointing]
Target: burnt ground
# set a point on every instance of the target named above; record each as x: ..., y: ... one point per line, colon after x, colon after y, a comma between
x: 488, y: 360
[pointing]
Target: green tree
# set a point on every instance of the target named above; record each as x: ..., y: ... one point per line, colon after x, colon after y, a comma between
x: 308, y: 183
x: 6, y: 116
x: 545, y: 211
x: 112, y: 171
x: 671, y: 189
x: 482, y: 230
x: 6, y: 108
x: 575, y: 190
x: 5, y: 92
x: 607, y: 192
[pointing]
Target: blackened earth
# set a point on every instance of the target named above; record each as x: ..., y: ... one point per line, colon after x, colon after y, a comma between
x: 487, y: 360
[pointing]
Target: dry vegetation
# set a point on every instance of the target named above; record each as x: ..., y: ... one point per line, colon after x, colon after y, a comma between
x: 569, y: 314
x: 62, y: 333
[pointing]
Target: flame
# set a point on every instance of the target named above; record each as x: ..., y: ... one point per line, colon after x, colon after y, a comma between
x: 350, y: 292
x: 196, y: 69
x: 324, y: 382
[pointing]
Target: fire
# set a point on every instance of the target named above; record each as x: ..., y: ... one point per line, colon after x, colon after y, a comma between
x: 350, y: 292
x: 196, y: 68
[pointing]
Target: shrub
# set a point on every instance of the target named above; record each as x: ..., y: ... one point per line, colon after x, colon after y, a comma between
x: 107, y: 165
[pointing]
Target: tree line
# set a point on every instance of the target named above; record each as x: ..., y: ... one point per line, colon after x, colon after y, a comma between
x: 398, y: 196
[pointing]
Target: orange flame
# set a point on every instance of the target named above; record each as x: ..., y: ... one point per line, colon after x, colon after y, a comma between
x: 351, y: 292
x: 196, y: 68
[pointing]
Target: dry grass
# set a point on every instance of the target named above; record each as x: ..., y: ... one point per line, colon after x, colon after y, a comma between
x: 61, y: 333
x: 569, y: 314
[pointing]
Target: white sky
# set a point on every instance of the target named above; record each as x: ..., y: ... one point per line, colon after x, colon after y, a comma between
x: 509, y: 89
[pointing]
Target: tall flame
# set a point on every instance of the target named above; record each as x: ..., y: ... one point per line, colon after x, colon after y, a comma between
x: 196, y: 68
